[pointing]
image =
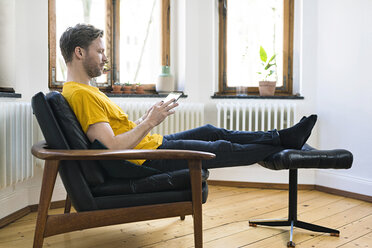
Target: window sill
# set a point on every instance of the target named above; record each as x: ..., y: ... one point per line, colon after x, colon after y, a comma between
x: 10, y: 95
x: 157, y: 95
x: 292, y: 97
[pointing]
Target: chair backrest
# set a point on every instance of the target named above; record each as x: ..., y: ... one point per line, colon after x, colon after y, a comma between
x: 55, y: 118
x: 74, y: 135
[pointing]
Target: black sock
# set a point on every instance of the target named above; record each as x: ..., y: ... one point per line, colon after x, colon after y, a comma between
x: 296, y: 136
x: 306, y: 138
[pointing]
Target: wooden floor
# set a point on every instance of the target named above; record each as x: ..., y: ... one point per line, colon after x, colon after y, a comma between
x: 225, y: 224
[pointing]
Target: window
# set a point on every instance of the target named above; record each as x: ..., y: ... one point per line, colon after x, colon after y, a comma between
x: 137, y: 36
x: 244, y: 27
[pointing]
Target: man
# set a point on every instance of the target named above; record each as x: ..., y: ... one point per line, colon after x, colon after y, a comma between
x: 101, y: 119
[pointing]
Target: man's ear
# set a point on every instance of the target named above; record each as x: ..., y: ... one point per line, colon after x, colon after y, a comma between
x: 79, y: 52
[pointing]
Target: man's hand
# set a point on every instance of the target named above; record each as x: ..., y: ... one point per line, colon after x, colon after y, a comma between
x: 143, y: 117
x: 128, y: 140
x: 158, y: 112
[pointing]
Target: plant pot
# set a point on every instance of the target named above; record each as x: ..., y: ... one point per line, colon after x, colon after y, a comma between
x: 127, y: 89
x: 140, y: 89
x: 267, y: 88
x: 116, y: 89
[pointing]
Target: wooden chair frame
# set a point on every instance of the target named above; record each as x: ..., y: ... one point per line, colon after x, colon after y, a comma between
x: 49, y: 225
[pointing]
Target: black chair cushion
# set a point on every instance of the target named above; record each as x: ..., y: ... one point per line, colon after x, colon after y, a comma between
x: 309, y: 158
x: 121, y: 168
x: 48, y: 124
x: 71, y: 175
x: 75, y: 136
x: 131, y: 200
x: 174, y: 180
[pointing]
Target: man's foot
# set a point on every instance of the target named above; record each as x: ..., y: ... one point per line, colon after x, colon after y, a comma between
x: 303, y: 118
x: 296, y: 136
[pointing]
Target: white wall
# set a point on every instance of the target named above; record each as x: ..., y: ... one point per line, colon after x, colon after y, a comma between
x: 31, y: 42
x: 7, y: 46
x: 24, y: 66
x: 24, y: 46
x: 343, y: 96
x: 333, y: 47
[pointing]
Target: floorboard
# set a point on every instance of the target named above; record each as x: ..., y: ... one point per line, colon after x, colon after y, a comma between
x: 225, y: 224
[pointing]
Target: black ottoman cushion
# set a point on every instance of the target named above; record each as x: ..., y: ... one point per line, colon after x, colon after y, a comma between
x: 309, y: 158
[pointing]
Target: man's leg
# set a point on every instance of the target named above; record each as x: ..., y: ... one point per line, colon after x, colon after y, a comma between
x: 228, y: 154
x: 293, y: 137
x: 211, y: 133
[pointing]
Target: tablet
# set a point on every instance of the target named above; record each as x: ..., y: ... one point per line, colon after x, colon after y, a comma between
x: 172, y: 95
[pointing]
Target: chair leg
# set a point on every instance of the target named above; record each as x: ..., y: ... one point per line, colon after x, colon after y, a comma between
x: 47, y: 186
x: 182, y: 217
x: 290, y: 243
x: 254, y: 223
x: 196, y: 188
x: 316, y: 228
x: 67, y: 205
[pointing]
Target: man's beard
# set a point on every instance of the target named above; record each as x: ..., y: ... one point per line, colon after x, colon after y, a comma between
x: 91, y: 68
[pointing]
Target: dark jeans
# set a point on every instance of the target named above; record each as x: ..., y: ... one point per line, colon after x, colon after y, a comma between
x: 232, y: 148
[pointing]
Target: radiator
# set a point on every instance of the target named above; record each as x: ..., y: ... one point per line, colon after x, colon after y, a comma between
x: 255, y: 116
x: 18, y: 131
x: 187, y: 116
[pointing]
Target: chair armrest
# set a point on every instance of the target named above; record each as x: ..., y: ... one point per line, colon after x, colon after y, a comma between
x: 40, y: 151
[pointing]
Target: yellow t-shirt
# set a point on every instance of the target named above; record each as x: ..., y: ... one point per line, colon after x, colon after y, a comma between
x: 91, y: 106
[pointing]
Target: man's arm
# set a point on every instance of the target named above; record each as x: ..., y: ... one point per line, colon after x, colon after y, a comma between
x: 128, y: 140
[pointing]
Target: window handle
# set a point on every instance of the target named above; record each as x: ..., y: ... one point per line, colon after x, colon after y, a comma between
x: 224, y: 8
x: 53, y: 76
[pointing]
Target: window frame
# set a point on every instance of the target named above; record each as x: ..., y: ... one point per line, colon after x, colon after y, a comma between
x: 112, y: 35
x: 288, y: 28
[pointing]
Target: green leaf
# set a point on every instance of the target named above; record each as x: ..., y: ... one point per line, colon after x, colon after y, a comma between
x: 263, y: 54
x: 272, y: 58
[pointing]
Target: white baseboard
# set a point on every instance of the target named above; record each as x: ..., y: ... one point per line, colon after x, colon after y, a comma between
x: 326, y: 178
x: 257, y: 173
x: 332, y: 179
x: 21, y: 195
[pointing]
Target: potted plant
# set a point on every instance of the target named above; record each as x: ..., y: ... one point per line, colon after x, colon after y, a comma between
x: 140, y: 89
x: 268, y: 74
x: 127, y: 88
x: 116, y: 88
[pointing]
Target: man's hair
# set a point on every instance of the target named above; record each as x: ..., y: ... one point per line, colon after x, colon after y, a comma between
x: 81, y: 35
